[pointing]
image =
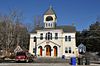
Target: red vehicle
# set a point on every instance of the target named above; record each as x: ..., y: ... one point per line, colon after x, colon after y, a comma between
x: 23, y: 56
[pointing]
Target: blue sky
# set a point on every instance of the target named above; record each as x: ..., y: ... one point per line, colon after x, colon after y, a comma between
x: 80, y: 12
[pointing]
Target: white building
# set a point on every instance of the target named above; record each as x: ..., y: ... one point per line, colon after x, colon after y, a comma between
x: 53, y: 40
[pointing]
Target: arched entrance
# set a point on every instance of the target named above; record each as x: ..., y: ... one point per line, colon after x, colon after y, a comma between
x: 40, y: 47
x: 55, y: 50
x: 48, y: 50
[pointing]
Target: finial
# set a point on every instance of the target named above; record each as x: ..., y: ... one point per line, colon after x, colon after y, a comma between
x: 50, y: 6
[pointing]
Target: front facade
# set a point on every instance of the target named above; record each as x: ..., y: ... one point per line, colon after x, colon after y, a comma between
x: 52, y: 40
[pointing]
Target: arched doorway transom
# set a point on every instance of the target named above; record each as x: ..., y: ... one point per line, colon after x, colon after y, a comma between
x: 55, y: 50
x: 40, y: 50
x: 48, y: 50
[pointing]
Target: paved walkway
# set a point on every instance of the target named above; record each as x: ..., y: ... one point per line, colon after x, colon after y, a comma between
x: 42, y: 64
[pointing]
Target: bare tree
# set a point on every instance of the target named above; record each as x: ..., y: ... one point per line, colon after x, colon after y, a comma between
x: 38, y: 22
x: 12, y: 32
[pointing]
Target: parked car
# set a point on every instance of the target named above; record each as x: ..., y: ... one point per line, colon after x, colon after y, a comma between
x: 23, y: 56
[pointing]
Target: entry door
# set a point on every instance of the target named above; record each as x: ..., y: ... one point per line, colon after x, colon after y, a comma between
x: 55, y: 51
x: 41, y: 51
x: 48, y: 51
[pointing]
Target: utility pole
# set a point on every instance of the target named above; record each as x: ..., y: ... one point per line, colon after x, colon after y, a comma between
x: 35, y: 40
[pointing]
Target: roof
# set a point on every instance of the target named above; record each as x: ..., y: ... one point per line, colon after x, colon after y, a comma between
x: 50, y: 11
x: 68, y: 29
x: 18, y: 49
x: 81, y: 45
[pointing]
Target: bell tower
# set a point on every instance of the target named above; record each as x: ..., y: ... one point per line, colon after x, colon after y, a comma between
x: 50, y: 18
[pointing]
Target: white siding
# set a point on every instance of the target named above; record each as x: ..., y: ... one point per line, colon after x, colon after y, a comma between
x: 68, y: 44
x: 60, y: 42
x: 32, y: 43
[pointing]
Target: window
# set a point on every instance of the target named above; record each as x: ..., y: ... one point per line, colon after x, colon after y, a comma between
x: 46, y: 24
x: 66, y: 50
x: 49, y: 18
x: 69, y: 49
x: 49, y: 24
x: 51, y: 36
x: 48, y: 36
x: 41, y: 36
x: 35, y: 39
x: 69, y: 38
x: 33, y: 50
x: 20, y: 53
x: 65, y: 38
x: 56, y: 35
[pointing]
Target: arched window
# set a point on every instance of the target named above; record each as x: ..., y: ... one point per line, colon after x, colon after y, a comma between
x: 49, y: 18
x: 51, y: 36
x: 70, y: 50
x: 35, y: 39
x: 41, y: 36
x: 65, y: 38
x: 66, y: 50
x: 56, y: 35
x: 48, y: 36
x: 69, y: 38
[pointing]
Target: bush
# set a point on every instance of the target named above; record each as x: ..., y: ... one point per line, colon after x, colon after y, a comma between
x: 12, y: 56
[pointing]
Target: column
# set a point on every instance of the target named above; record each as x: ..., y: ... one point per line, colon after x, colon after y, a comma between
x: 52, y: 51
x: 44, y: 52
x: 59, y: 51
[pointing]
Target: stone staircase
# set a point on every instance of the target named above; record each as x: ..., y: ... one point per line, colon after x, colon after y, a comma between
x: 50, y: 60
